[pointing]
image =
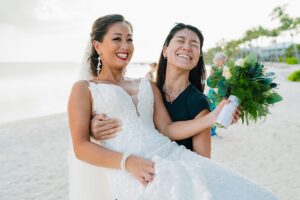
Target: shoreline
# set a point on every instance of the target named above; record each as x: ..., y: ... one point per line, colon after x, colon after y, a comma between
x: 29, y: 120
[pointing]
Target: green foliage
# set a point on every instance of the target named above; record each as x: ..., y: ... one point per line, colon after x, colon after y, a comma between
x: 286, y: 22
x: 291, y: 60
x: 295, y: 76
x: 289, y: 52
x: 249, y: 81
x: 214, y: 77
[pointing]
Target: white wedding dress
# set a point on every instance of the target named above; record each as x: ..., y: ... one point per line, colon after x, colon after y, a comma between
x: 179, y: 173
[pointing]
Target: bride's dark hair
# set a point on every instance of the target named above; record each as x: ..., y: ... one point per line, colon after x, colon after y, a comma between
x: 99, y: 29
x: 197, y: 74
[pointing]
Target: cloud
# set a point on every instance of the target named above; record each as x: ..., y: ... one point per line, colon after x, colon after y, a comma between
x: 18, y: 12
x: 41, y: 15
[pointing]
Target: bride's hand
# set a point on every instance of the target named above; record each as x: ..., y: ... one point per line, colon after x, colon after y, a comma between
x: 140, y: 168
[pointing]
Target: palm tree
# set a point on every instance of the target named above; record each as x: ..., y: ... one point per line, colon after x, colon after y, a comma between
x: 274, y: 33
x: 232, y: 48
x: 287, y: 24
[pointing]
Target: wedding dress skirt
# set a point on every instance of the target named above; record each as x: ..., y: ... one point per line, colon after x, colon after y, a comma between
x: 179, y: 173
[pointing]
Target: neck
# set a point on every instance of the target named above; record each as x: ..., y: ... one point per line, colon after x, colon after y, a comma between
x: 111, y: 75
x: 177, y: 80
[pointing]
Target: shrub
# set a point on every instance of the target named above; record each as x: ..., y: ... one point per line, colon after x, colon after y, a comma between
x: 291, y: 60
x: 295, y: 76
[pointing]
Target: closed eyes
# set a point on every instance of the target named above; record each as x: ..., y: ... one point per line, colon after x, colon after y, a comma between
x: 120, y: 39
x: 193, y: 44
x: 117, y: 39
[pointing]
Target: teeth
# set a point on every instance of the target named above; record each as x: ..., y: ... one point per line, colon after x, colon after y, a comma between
x: 122, y: 55
x: 184, y: 56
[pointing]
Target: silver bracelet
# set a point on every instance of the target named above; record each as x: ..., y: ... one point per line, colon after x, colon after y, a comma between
x: 123, y: 160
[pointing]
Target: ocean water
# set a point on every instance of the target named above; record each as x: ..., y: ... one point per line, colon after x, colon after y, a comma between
x: 30, y: 90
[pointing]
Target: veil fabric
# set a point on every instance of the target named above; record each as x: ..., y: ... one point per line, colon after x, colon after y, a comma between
x: 84, y: 71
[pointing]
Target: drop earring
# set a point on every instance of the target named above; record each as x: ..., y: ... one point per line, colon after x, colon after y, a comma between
x: 99, y: 66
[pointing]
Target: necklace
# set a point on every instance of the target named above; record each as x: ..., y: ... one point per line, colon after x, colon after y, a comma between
x: 171, y: 94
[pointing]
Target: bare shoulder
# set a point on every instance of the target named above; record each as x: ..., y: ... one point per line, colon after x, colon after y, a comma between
x: 81, y: 83
x: 80, y: 87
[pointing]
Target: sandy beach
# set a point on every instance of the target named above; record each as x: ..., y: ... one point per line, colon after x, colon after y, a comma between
x: 33, y: 152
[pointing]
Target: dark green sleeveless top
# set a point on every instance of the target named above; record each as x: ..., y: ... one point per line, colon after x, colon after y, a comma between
x: 187, y: 106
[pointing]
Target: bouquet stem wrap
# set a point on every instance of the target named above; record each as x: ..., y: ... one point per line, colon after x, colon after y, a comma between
x: 225, y: 117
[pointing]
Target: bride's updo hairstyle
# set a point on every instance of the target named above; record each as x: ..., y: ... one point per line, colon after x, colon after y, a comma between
x: 99, y: 29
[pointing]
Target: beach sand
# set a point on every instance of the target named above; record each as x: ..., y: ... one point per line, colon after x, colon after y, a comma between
x: 33, y: 152
x: 34, y: 159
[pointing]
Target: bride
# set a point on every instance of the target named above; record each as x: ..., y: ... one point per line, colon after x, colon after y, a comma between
x: 141, y: 163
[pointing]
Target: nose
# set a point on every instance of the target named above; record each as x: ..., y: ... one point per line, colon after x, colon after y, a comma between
x: 187, y: 46
x: 125, y: 45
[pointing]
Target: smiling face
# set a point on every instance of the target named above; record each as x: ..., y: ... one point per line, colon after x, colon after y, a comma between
x: 117, y: 48
x: 183, y: 50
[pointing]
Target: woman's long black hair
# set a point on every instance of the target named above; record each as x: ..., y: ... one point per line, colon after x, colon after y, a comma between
x: 197, y: 74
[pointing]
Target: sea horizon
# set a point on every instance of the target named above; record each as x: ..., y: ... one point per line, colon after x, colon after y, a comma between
x: 35, y: 89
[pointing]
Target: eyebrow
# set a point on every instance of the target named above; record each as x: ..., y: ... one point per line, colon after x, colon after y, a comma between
x: 182, y: 37
x: 120, y: 34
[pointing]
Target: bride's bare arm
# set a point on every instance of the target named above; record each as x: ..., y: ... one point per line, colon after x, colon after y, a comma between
x: 181, y: 129
x: 79, y: 113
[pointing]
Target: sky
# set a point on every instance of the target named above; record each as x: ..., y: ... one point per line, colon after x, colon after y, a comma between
x: 58, y: 30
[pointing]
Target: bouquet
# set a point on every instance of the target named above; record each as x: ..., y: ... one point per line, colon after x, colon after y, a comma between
x: 247, y: 83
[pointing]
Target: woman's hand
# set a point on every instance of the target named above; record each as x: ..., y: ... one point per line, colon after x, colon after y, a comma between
x: 236, y: 115
x: 140, y: 168
x: 219, y: 107
x: 103, y: 128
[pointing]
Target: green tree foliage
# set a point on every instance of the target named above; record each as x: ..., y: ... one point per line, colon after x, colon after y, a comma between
x: 287, y: 23
x: 290, y: 51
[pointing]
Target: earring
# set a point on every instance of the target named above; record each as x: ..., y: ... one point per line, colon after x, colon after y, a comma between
x: 99, y: 65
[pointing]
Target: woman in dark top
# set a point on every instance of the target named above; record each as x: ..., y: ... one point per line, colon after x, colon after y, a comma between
x: 180, y: 78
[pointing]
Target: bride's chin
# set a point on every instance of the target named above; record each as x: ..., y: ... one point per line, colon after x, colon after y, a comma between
x: 122, y: 64
x: 120, y: 67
